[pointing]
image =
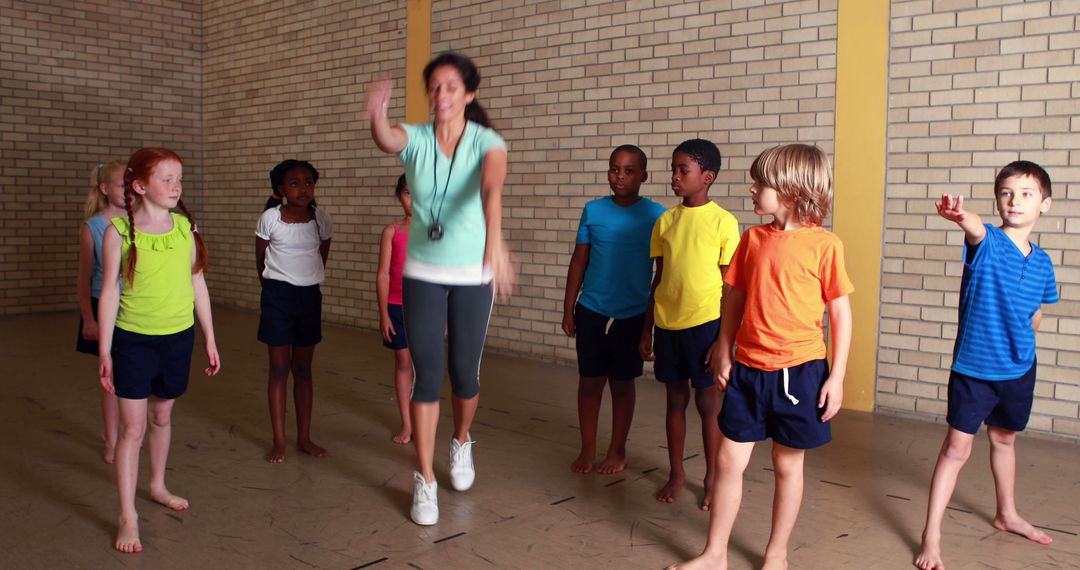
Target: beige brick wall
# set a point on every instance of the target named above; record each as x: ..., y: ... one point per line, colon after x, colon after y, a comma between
x: 81, y: 83
x: 973, y: 86
x: 568, y: 81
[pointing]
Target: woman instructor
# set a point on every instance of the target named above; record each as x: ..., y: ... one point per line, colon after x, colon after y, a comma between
x: 456, y: 262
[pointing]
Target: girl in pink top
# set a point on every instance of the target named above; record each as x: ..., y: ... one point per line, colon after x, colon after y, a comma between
x: 395, y: 238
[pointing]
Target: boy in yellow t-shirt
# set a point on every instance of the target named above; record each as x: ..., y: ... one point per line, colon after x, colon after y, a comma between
x: 692, y: 244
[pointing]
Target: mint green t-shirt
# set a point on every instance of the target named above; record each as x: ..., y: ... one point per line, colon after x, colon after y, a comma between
x: 162, y: 300
x: 451, y: 196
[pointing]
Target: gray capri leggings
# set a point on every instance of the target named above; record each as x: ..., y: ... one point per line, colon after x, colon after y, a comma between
x: 463, y: 311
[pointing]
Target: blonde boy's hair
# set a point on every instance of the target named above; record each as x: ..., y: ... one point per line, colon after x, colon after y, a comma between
x: 801, y: 175
x: 100, y: 174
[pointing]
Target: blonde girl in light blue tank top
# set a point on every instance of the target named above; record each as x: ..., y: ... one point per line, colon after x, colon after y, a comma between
x: 104, y: 202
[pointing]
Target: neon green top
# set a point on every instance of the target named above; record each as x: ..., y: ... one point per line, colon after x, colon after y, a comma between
x: 162, y: 299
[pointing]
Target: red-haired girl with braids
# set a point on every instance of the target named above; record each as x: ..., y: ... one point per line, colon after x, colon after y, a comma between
x: 147, y: 331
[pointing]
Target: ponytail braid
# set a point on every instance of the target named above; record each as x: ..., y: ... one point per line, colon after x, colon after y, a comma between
x: 129, y: 271
x: 202, y: 258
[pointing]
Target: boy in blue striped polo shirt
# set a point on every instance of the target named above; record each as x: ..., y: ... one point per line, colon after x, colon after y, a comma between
x: 1006, y: 280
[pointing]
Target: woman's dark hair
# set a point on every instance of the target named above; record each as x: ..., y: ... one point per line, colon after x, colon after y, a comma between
x: 470, y: 76
x: 277, y: 178
x: 401, y: 185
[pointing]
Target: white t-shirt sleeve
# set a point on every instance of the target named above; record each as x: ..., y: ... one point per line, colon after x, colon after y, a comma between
x: 265, y: 225
x: 326, y: 224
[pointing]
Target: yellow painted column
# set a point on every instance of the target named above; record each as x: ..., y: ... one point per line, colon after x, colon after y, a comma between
x: 862, y: 68
x: 417, y: 54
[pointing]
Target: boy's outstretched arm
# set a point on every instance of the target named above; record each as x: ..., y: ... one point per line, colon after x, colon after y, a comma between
x: 952, y: 208
x: 575, y: 276
x: 832, y: 393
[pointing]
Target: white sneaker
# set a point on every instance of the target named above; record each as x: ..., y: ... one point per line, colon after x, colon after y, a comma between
x: 462, y: 470
x: 425, y: 501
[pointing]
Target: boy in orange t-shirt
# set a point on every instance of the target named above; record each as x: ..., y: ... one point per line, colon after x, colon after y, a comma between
x: 783, y: 276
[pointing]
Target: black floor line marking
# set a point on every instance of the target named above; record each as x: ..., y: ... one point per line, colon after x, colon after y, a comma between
x: 538, y: 420
x: 837, y: 484
x: 769, y: 469
x: 498, y: 410
x: 372, y: 563
x: 690, y: 457
x: 1050, y: 528
x: 451, y: 537
x: 615, y: 482
x: 414, y: 566
x: 647, y: 471
x: 958, y: 509
x: 842, y: 535
x: 897, y: 497
x: 561, y: 501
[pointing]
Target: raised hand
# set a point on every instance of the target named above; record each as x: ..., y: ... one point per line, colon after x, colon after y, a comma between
x: 378, y: 98
x: 951, y: 208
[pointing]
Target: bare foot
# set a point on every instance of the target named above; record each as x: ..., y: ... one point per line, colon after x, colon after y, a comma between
x: 706, y: 503
x: 311, y: 449
x: 109, y: 453
x: 929, y: 558
x: 703, y: 562
x: 127, y: 536
x: 584, y: 462
x: 1020, y: 526
x: 168, y: 499
x: 669, y: 492
x: 404, y: 437
x: 613, y: 463
x: 276, y: 454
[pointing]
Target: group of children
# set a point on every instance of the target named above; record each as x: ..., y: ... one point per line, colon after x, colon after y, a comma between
x: 744, y: 316
x: 724, y: 313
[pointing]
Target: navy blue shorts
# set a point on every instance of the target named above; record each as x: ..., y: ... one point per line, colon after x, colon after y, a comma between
x: 145, y: 365
x: 606, y: 346
x: 397, y: 339
x: 757, y: 405
x: 1003, y: 404
x: 81, y: 344
x: 680, y: 355
x: 291, y: 315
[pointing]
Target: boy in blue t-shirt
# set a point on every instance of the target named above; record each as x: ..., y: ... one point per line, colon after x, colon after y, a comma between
x: 612, y: 269
x: 1006, y: 280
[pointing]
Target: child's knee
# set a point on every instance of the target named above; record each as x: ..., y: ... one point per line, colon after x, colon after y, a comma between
x: 279, y: 372
x: 591, y: 387
x: 1000, y: 437
x: 301, y: 372
x: 787, y: 461
x: 707, y: 402
x: 678, y: 396
x: 957, y: 446
x: 131, y: 431
x: 160, y: 419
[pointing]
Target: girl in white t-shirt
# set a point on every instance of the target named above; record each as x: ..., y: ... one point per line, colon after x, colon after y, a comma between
x: 292, y: 242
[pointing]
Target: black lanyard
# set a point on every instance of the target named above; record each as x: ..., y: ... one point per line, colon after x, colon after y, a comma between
x: 435, y: 231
